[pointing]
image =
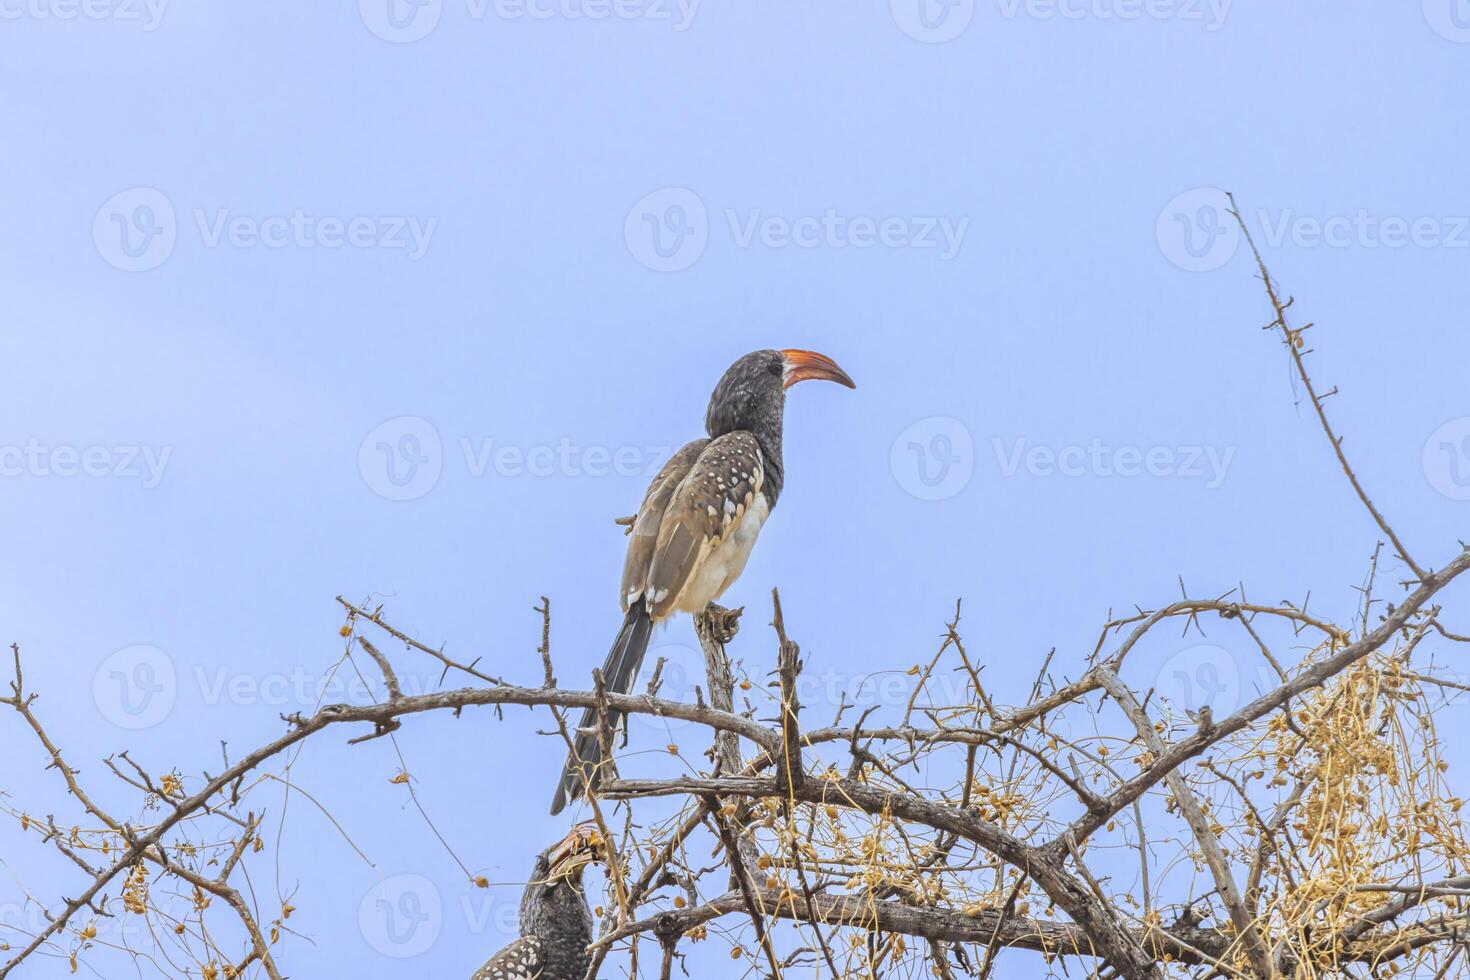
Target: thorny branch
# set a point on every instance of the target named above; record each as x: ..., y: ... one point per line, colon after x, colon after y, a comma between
x: 1310, y: 831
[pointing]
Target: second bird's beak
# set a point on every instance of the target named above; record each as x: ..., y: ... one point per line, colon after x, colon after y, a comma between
x: 808, y: 365
x: 583, y: 846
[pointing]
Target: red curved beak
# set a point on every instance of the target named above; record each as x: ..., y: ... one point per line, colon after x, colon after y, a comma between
x: 808, y: 365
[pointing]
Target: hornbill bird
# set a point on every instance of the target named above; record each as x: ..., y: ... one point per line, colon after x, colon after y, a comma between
x: 556, y: 924
x: 699, y: 521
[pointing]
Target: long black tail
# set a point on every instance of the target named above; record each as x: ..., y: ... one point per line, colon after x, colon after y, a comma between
x: 618, y: 673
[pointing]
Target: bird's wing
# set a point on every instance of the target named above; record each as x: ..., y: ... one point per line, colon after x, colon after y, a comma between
x: 521, y: 960
x: 644, y: 537
x: 705, y: 508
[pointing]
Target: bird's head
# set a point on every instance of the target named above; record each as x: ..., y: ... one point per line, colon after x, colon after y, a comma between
x: 555, y: 889
x: 752, y: 393
x: 565, y: 859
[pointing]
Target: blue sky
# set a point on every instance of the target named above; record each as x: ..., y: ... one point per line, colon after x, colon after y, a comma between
x: 256, y: 255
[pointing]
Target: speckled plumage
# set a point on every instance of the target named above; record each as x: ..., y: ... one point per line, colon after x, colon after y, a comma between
x: 556, y: 927
x: 699, y: 521
x: 700, y: 527
x: 521, y: 960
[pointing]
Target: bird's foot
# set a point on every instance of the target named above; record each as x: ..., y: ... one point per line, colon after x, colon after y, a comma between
x: 723, y: 624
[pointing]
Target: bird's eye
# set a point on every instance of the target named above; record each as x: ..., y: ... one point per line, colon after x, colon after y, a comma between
x: 776, y: 367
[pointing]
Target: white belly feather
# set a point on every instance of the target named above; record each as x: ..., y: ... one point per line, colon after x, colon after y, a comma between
x: 719, y: 568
